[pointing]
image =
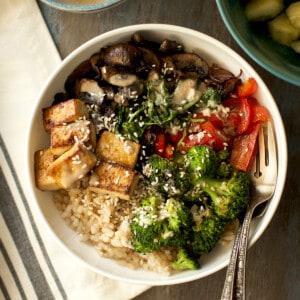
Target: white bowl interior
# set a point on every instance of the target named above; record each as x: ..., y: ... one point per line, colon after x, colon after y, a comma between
x: 212, y: 51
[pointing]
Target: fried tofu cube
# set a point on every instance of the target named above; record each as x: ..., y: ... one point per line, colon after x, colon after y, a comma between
x: 111, y: 147
x: 42, y: 160
x: 115, y: 179
x: 63, y: 137
x: 64, y: 112
x: 74, y: 164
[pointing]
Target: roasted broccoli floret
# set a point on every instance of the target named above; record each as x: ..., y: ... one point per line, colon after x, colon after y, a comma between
x: 229, y: 197
x: 207, y: 230
x: 184, y: 261
x: 166, y: 176
x: 157, y: 223
x: 224, y: 170
x: 202, y: 161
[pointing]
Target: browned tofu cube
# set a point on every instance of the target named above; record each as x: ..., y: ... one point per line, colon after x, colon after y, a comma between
x: 111, y: 147
x: 74, y: 164
x: 64, y: 112
x: 63, y: 137
x: 115, y: 180
x: 42, y: 160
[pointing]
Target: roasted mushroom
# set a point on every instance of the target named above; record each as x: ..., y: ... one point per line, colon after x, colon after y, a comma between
x: 222, y: 79
x: 219, y: 74
x: 149, y: 60
x: 123, y: 54
x: 168, y: 46
x: 90, y: 92
x: 117, y: 77
x: 190, y: 62
x: 83, y: 70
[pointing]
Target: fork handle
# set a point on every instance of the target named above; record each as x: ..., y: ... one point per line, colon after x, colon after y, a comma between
x: 240, y: 288
x: 234, y: 286
x: 228, y: 288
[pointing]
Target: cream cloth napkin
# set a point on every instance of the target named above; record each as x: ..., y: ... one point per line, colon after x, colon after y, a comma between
x: 32, y: 265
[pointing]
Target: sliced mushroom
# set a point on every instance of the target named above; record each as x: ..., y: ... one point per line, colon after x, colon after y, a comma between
x: 149, y: 60
x: 167, y: 65
x: 89, y: 91
x: 96, y: 61
x: 168, y: 46
x: 129, y: 93
x: 117, y: 77
x: 219, y: 74
x: 190, y: 62
x: 187, y: 93
x: 153, y: 76
x: 124, y: 54
x: 138, y: 39
x: 230, y: 85
x: 83, y: 70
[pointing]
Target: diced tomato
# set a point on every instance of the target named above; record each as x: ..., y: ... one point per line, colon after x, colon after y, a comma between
x: 260, y: 114
x: 175, y: 138
x: 191, y: 140
x: 208, y: 135
x: 240, y: 114
x: 169, y: 151
x: 160, y: 143
x: 214, y: 118
x: 215, y: 136
x: 247, y: 88
x: 194, y: 127
x: 244, y: 148
x: 252, y: 100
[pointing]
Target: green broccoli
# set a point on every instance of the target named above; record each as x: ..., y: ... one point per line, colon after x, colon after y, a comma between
x: 198, y: 194
x: 157, y: 223
x: 207, y: 230
x: 229, y: 196
x: 184, y: 261
x: 224, y: 170
x: 223, y: 155
x: 202, y: 161
x: 166, y: 176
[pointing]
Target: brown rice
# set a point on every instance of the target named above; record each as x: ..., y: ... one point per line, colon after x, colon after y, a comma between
x: 104, y: 222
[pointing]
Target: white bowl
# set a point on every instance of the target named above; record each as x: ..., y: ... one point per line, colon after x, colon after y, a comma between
x: 211, y: 50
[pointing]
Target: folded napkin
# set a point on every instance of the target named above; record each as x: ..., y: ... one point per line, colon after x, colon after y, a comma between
x: 32, y: 265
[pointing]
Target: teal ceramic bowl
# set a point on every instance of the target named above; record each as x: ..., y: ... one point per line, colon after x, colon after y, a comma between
x: 81, y: 5
x: 279, y: 60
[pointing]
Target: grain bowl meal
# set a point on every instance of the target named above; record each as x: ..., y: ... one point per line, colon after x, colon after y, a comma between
x: 149, y: 151
x: 134, y: 129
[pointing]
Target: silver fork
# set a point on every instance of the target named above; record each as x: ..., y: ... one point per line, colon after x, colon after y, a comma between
x: 263, y: 177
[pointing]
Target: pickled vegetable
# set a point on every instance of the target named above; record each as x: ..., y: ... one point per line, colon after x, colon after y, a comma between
x: 262, y: 10
x: 296, y: 46
x: 282, y: 30
x: 293, y: 13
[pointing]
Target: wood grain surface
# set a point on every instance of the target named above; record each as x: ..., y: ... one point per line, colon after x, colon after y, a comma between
x: 274, y: 261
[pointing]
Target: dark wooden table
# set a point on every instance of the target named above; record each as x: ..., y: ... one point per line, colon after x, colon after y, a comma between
x: 274, y: 261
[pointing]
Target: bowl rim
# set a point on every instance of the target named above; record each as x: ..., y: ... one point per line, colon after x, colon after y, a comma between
x: 78, y: 8
x: 250, y: 50
x: 174, y: 29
